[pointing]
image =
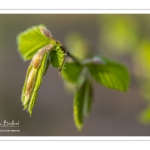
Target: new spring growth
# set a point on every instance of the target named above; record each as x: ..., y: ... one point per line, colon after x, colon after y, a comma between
x: 46, y: 32
x: 37, y: 44
x: 34, y: 67
x: 30, y: 85
x: 51, y: 53
x: 35, y: 64
x: 37, y: 58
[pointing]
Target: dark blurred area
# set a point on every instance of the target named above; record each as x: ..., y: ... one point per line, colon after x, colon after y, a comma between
x: 118, y: 37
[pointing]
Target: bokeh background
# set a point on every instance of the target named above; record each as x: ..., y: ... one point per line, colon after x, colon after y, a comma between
x: 125, y: 38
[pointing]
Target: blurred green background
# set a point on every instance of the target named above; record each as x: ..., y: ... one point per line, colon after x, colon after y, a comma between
x: 125, y: 38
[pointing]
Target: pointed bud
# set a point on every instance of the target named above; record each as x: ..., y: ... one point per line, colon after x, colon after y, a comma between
x: 46, y: 32
x: 36, y: 60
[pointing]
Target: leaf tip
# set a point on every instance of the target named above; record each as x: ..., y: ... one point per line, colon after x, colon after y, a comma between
x: 30, y: 112
x: 45, y: 32
x: 79, y: 127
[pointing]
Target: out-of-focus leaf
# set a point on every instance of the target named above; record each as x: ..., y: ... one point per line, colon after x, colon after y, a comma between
x: 111, y: 74
x: 80, y: 82
x: 81, y: 78
x: 30, y: 41
x: 144, y: 116
x: 71, y: 71
x: 95, y: 60
x: 79, y: 107
x: 69, y: 87
x: 119, y: 34
x: 77, y: 45
x: 88, y: 98
x: 141, y: 62
x: 141, y: 58
x: 82, y: 103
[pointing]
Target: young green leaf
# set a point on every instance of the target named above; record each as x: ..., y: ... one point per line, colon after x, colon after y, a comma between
x: 71, y: 71
x: 111, y: 74
x: 57, y: 57
x: 82, y: 78
x: 88, y: 98
x: 79, y: 106
x: 31, y: 40
x: 82, y: 102
x: 32, y: 83
x: 38, y: 81
x: 23, y: 100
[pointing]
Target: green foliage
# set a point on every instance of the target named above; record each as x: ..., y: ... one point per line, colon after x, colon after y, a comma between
x: 120, y: 34
x: 24, y: 86
x: 71, y: 71
x: 30, y: 41
x: 35, y: 42
x: 38, y: 45
x: 141, y: 66
x: 142, y: 58
x: 38, y: 81
x: 144, y: 117
x: 81, y: 79
x: 29, y: 104
x: 78, y: 45
x: 111, y: 74
x: 88, y: 98
x: 79, y: 100
x: 82, y: 102
x: 56, y: 57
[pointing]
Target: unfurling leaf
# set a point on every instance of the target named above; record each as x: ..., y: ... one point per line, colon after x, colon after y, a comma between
x: 110, y: 74
x: 29, y: 97
x: 36, y: 70
x: 36, y: 43
x: 57, y: 57
x: 88, y: 98
x: 31, y: 40
x: 79, y: 107
x: 82, y: 103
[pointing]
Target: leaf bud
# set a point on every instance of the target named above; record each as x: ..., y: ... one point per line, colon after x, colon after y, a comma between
x: 46, y: 32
